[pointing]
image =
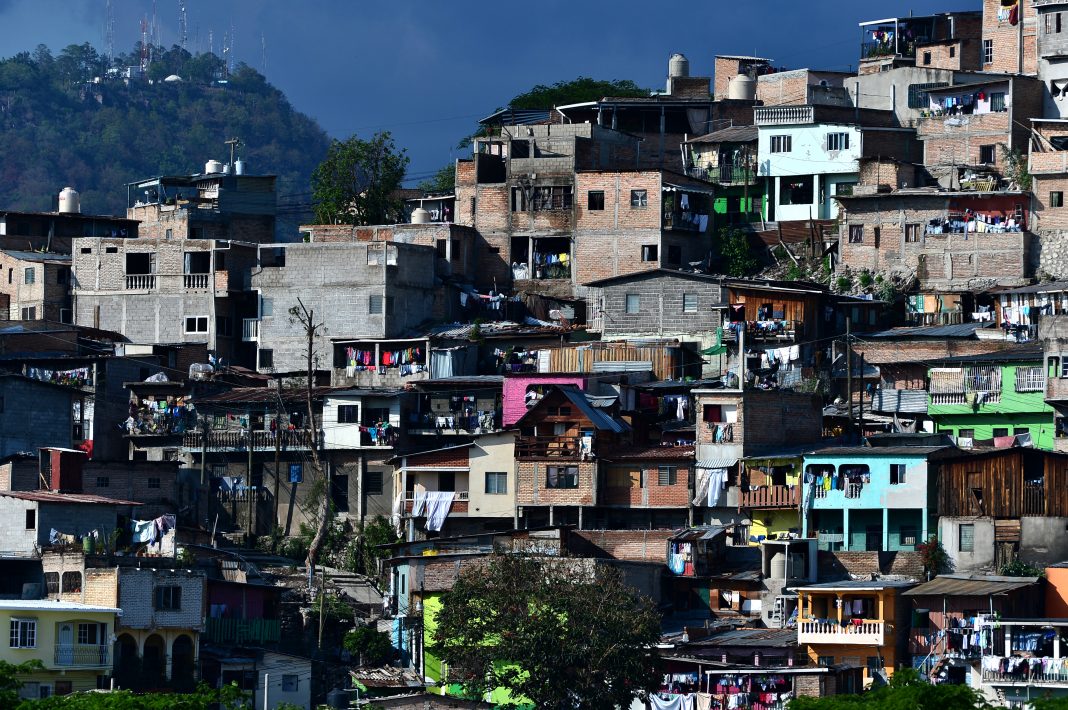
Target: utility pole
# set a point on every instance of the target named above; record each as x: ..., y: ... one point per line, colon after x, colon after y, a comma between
x: 277, y: 452
x: 849, y: 374
x: 233, y: 143
x: 203, y: 468
x: 311, y: 328
x: 250, y: 489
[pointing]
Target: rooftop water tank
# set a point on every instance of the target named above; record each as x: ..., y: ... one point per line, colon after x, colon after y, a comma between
x: 239, y: 167
x: 678, y: 65
x: 213, y: 166
x: 778, y: 566
x: 420, y: 216
x: 69, y: 202
x: 742, y: 87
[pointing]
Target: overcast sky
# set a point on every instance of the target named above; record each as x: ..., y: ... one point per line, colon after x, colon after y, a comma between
x: 429, y: 69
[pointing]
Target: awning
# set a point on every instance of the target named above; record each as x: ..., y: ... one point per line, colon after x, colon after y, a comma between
x: 720, y: 462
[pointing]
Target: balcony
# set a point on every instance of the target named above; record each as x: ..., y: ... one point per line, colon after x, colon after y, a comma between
x: 783, y: 115
x: 239, y: 441
x: 551, y: 447
x: 771, y: 497
x: 140, y: 282
x: 243, y: 494
x: 196, y: 281
x: 82, y: 656
x: 240, y: 631
x: 455, y: 423
x: 460, y: 501
x: 866, y: 633
x: 999, y: 678
x: 725, y: 174
x: 250, y: 330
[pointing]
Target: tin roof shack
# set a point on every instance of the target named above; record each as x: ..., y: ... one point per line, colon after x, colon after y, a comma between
x: 856, y: 622
x: 875, y: 499
x: 947, y: 617
x: 34, y: 414
x: 995, y: 506
x: 948, y: 40
x: 558, y: 453
x: 32, y: 516
x: 989, y: 399
x: 710, y: 579
x: 951, y: 241
x: 59, y: 232
x: 37, y: 286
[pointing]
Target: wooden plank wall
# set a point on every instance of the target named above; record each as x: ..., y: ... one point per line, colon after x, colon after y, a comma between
x: 1002, y: 481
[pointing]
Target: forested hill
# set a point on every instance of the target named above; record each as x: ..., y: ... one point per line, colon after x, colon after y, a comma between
x: 70, y: 119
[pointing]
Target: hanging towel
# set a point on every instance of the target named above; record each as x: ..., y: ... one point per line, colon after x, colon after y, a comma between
x: 437, y: 508
x: 703, y: 701
x: 716, y: 480
x: 703, y: 477
x: 142, y: 530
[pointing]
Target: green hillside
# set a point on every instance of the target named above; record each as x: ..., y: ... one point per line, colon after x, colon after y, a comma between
x: 71, y: 119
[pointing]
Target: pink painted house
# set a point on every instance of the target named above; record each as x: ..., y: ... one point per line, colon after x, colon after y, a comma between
x: 517, y: 387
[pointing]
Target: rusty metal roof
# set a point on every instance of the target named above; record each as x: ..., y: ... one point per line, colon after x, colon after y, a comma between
x: 66, y: 498
x: 970, y: 585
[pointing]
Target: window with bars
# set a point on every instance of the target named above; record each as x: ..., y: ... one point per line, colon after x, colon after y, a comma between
x: 974, y: 384
x: 856, y: 233
x: 1030, y: 379
x: 966, y: 538
x: 667, y: 475
x: 997, y: 101
x: 912, y: 232
x: 918, y: 96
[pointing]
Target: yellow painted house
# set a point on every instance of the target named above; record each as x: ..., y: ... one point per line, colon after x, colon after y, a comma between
x: 72, y: 641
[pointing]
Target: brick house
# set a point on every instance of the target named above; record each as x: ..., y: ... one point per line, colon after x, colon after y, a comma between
x: 557, y: 452
x: 952, y: 242
x: 37, y: 286
x: 949, y: 40
x: 727, y: 158
x: 1048, y: 166
x: 1010, y: 32
x: 800, y: 87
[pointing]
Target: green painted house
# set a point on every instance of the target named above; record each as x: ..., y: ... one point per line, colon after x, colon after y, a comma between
x: 727, y: 159
x: 993, y: 396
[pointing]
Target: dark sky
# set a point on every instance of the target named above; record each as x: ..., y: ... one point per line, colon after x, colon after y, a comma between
x: 428, y: 69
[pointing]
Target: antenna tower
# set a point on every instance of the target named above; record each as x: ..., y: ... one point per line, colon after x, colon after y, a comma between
x: 109, y: 33
x: 263, y: 49
x: 183, y: 26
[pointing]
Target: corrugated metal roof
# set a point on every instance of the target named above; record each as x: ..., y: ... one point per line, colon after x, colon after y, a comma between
x: 733, y: 134
x: 858, y: 584
x: 1037, y: 288
x: 879, y: 450
x: 388, y: 677
x: 66, y: 498
x: 750, y: 637
x: 717, y: 462
x: 703, y: 532
x: 900, y: 401
x: 963, y: 585
x: 598, y: 418
x: 955, y: 330
x: 667, y: 453
x: 1026, y: 353
x: 42, y: 257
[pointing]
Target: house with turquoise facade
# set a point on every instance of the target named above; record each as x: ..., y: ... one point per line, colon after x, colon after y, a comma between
x: 874, y: 499
x: 989, y: 399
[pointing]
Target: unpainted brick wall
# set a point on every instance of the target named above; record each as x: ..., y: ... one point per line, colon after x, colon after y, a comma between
x: 633, y: 545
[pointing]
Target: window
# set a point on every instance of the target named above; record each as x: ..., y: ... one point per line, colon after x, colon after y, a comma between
x: 1030, y: 379
x: 375, y: 305
x: 674, y: 254
x: 556, y: 197
x: 667, y: 475
x: 141, y: 263
x: 289, y: 682
x: 634, y: 301
x: 154, y: 482
x: 1000, y: 432
x: 496, y: 482
x: 31, y: 519
x: 926, y: 57
x: 29, y: 313
x: 837, y: 141
x: 1056, y: 199
x: 595, y: 200
x: 168, y: 598
x: 348, y: 414
x: 87, y: 250
x: 92, y: 634
x: 196, y: 324
x: 639, y: 198
x: 966, y: 537
x: 224, y: 326
x: 561, y: 477
x: 986, y: 155
x: 30, y: 275
x: 856, y: 234
x: 52, y: 582
x: 649, y: 252
x: 825, y: 661
x: 266, y: 307
x: 874, y: 664
x: 1020, y: 430
x: 689, y: 303
x: 796, y: 191
x: 103, y: 482
x: 62, y: 276
x: 23, y: 633
x: 781, y: 144
x: 372, y: 483
x: 169, y: 234
x: 897, y: 474
x: 997, y: 101
x: 912, y: 233
x: 72, y: 582
x: 966, y: 433
x: 988, y: 51
x: 266, y: 358
x: 1053, y: 23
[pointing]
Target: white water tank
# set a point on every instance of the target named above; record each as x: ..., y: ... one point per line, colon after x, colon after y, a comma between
x: 69, y: 202
x: 239, y: 167
x: 778, y: 566
x: 213, y: 166
x: 742, y: 87
x: 420, y: 216
x: 678, y: 66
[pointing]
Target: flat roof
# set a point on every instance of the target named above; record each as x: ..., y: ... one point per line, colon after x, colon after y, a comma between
x: 50, y: 605
x: 38, y: 256
x: 878, y: 450
x: 856, y: 585
x: 66, y: 498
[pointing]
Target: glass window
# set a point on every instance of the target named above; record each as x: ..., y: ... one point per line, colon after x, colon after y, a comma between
x: 496, y: 482
x: 650, y: 252
x: 639, y: 198
x: 837, y: 141
x: 988, y: 51
x: 72, y: 582
x: 23, y: 633
x: 689, y: 303
x: 1056, y: 199
x: 168, y: 598
x: 196, y: 324
x: 372, y: 483
x: 856, y: 234
x: 897, y: 473
x: 289, y: 682
x: 633, y: 302
x: 667, y: 475
x: 966, y: 537
x: 348, y: 414
x: 561, y: 477
x: 595, y: 200
x: 30, y: 275
x: 781, y: 144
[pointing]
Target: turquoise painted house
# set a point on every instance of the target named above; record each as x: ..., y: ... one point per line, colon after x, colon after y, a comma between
x: 985, y: 399
x: 870, y: 498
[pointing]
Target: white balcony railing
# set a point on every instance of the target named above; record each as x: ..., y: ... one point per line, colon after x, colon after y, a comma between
x: 140, y: 282
x: 457, y: 496
x: 866, y: 633
x: 199, y: 281
x: 783, y: 115
x: 250, y: 330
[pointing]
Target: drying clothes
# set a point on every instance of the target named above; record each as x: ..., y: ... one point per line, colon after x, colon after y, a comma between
x: 142, y: 530
x: 702, y: 701
x: 437, y: 508
x: 671, y: 701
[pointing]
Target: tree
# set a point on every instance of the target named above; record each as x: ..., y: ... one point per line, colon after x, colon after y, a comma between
x: 444, y: 180
x: 10, y: 683
x: 369, y: 646
x: 575, y: 91
x: 229, y: 697
x: 552, y: 632
x: 907, y: 689
x: 737, y: 258
x: 355, y: 183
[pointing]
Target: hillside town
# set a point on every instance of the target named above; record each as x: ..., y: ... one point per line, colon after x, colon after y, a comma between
x: 225, y: 454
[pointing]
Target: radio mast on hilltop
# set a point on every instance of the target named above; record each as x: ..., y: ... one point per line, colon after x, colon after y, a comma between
x: 109, y: 32
x: 183, y: 26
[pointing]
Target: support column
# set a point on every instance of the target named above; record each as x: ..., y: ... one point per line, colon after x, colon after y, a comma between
x: 923, y: 525
x: 886, y: 529
x: 838, y: 603
x: 168, y: 645
x: 845, y: 528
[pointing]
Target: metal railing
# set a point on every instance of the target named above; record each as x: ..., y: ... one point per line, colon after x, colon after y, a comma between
x: 140, y: 282
x: 196, y: 280
x: 81, y: 655
x: 549, y: 446
x: 296, y: 439
x: 783, y: 115
x: 456, y: 495
x: 771, y: 497
x: 250, y: 330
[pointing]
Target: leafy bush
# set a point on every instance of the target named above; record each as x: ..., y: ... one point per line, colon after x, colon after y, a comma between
x: 865, y: 279
x: 736, y: 256
x: 370, y: 647
x: 843, y: 284
x: 1019, y: 568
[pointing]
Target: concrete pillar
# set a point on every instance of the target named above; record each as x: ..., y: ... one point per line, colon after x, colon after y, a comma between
x: 839, y: 602
x: 886, y: 529
x: 923, y: 525
x: 845, y: 528
x: 169, y: 657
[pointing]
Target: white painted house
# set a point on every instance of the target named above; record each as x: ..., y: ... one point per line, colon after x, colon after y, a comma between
x: 805, y: 163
